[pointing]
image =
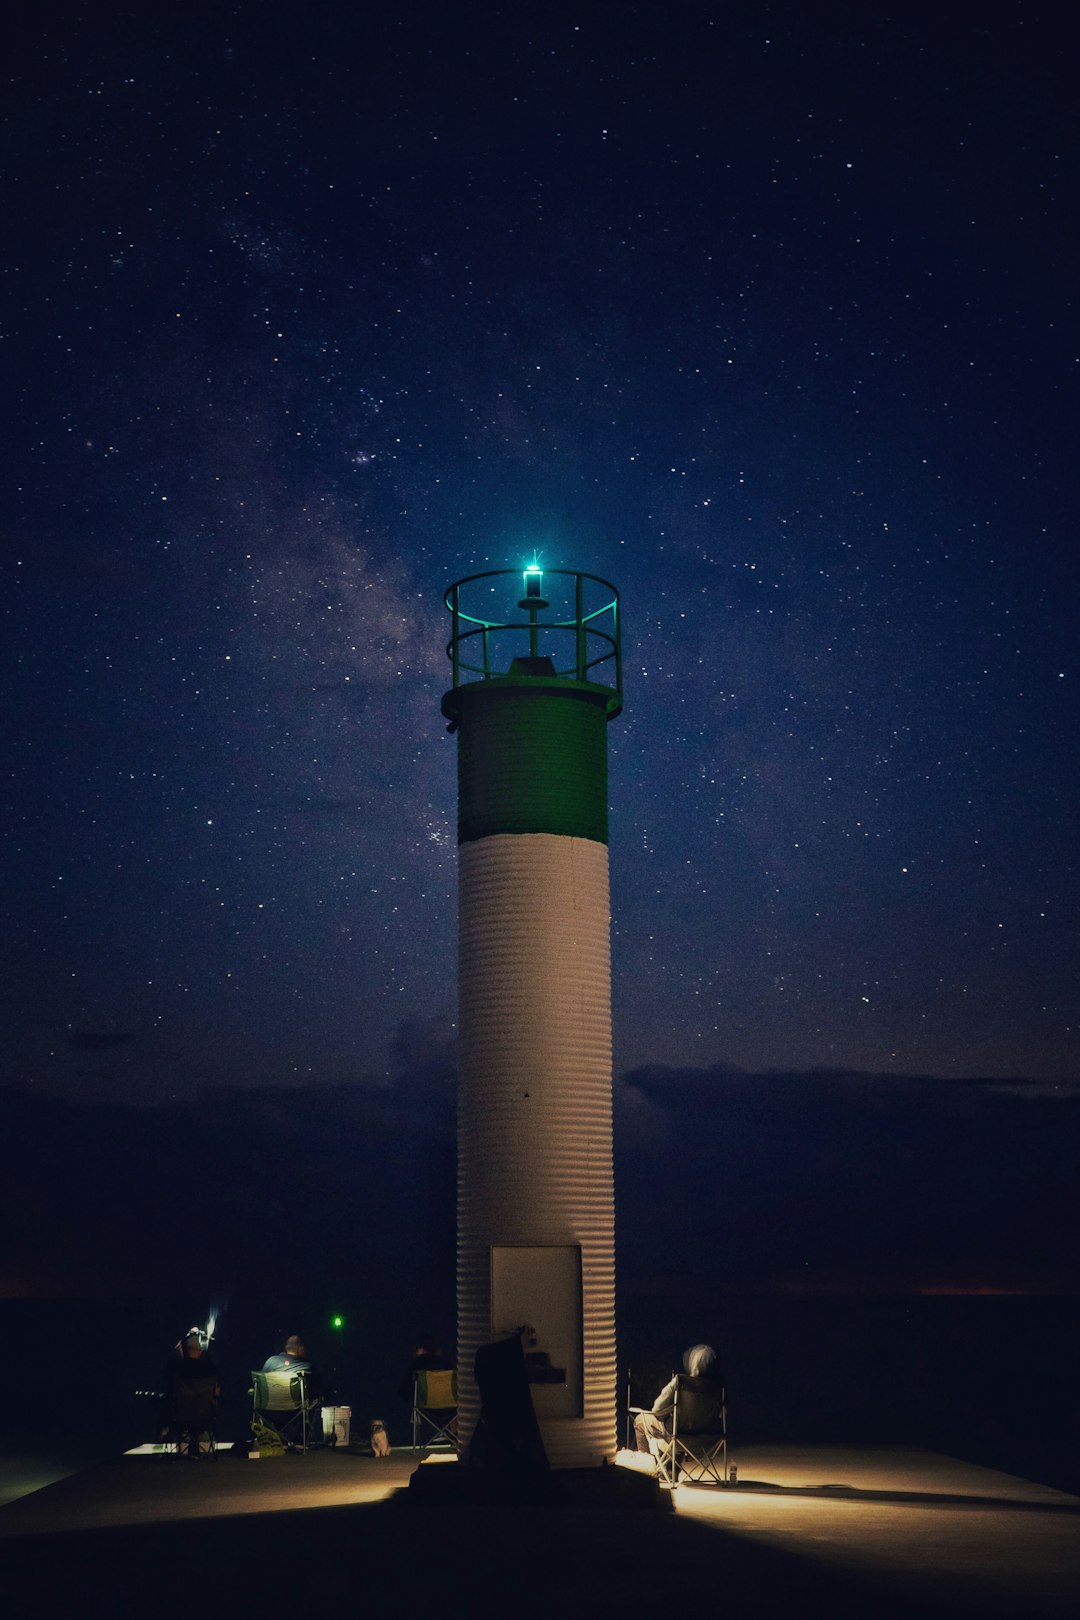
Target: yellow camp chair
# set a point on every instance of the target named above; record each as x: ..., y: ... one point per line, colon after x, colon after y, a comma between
x: 280, y: 1401
x: 435, y: 1399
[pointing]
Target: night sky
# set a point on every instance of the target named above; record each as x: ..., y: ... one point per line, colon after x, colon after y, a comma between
x: 765, y: 313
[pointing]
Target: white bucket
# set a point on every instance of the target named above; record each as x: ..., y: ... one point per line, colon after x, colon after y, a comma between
x: 335, y: 1424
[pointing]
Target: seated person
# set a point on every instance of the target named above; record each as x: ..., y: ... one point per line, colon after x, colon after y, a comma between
x: 702, y: 1367
x: 190, y: 1390
x: 294, y: 1355
x: 294, y: 1358
x: 428, y: 1358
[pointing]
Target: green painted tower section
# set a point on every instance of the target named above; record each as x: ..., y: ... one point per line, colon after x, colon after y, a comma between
x: 532, y: 758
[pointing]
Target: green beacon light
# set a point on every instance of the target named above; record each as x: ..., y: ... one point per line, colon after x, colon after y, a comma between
x: 533, y: 602
x: 337, y: 1321
x: 534, y: 578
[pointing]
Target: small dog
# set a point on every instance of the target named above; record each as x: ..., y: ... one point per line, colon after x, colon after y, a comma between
x: 380, y: 1440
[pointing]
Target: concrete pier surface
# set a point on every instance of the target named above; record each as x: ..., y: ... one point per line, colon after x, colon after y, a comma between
x: 929, y: 1528
x: 815, y: 1531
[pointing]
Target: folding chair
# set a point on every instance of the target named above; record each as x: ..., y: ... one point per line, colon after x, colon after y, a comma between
x: 192, y: 1417
x: 435, y: 1399
x: 281, y: 1404
x: 696, y: 1450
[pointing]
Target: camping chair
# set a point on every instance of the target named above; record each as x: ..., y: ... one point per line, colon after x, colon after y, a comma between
x: 644, y: 1381
x: 282, y: 1405
x: 435, y: 1399
x: 192, y: 1417
x: 696, y: 1450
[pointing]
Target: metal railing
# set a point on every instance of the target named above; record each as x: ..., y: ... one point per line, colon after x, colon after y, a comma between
x: 594, y: 630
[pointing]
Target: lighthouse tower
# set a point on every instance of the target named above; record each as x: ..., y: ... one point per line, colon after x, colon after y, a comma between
x: 536, y: 678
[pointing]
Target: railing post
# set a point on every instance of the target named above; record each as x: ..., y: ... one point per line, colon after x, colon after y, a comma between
x: 618, y: 643
x: 580, y: 627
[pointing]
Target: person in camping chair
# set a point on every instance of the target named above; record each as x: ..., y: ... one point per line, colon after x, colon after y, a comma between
x: 294, y: 1358
x: 428, y: 1358
x: 700, y: 1362
x: 190, y: 1384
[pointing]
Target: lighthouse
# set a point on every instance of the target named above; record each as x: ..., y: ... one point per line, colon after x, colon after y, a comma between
x: 537, y: 675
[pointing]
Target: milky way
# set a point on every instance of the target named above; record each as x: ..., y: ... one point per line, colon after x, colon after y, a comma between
x: 767, y: 319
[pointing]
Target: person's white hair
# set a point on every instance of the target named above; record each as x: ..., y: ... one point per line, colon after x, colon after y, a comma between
x: 699, y: 1360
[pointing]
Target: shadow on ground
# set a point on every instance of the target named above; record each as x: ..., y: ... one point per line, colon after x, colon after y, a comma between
x: 513, y: 1561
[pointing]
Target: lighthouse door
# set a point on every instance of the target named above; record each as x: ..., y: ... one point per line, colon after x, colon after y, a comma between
x: 538, y: 1288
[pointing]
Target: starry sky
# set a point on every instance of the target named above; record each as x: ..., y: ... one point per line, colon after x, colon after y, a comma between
x: 764, y: 312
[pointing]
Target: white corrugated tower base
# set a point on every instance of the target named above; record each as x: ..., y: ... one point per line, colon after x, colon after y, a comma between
x: 534, y: 1109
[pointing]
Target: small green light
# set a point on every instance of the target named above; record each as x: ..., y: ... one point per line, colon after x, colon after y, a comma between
x: 337, y: 1321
